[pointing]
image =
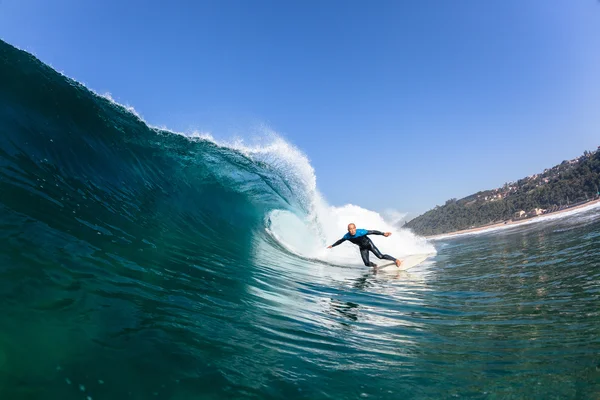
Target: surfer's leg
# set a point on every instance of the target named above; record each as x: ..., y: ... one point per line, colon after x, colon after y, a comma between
x: 364, y: 253
x: 378, y: 254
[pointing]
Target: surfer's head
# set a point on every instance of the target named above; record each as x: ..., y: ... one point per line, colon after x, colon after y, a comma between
x: 352, y: 229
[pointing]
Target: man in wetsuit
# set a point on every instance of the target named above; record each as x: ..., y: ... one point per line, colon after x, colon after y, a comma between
x: 359, y: 238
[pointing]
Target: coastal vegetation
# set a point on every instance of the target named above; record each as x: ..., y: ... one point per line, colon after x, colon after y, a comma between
x: 570, y: 183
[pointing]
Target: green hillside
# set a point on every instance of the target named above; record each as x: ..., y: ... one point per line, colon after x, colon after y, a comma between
x: 564, y: 185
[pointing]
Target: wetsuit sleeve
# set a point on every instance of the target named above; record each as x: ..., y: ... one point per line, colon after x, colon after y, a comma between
x: 374, y: 233
x: 338, y: 242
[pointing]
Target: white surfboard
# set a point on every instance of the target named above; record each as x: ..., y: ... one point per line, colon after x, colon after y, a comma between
x: 407, y: 262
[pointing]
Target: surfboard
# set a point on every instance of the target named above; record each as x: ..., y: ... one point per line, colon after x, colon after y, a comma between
x: 407, y: 262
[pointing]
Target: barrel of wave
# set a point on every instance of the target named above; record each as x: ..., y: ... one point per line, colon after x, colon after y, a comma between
x: 310, y: 236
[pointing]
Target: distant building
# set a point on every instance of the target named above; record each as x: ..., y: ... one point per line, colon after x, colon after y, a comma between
x: 535, y: 212
x: 520, y: 214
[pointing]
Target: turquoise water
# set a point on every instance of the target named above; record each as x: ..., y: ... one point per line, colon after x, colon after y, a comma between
x: 139, y: 264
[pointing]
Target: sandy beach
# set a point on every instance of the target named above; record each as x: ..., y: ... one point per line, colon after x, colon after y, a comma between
x: 512, y: 223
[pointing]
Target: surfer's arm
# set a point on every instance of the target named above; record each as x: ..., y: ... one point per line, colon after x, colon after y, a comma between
x: 386, y: 234
x: 338, y: 242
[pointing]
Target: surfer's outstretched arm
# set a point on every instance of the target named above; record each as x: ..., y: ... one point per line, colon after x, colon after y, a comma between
x: 386, y: 234
x: 336, y: 243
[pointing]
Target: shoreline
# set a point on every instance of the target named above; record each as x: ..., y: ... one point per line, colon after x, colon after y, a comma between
x: 511, y: 222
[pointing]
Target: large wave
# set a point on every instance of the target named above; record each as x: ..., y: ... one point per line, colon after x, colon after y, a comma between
x: 73, y: 158
x: 307, y: 233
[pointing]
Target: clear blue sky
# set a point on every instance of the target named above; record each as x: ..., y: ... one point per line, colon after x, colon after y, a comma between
x: 398, y: 104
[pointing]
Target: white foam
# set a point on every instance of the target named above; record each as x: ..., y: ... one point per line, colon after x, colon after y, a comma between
x: 394, y: 216
x: 310, y: 237
x: 127, y: 107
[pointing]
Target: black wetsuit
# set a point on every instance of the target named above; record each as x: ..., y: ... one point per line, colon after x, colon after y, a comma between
x: 365, y: 245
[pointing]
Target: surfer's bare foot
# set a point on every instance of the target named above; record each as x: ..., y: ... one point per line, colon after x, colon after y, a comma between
x: 398, y: 262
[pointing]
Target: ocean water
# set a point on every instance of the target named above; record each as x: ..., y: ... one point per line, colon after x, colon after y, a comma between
x: 138, y: 263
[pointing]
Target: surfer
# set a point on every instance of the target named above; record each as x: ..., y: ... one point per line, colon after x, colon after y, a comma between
x: 359, y: 238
